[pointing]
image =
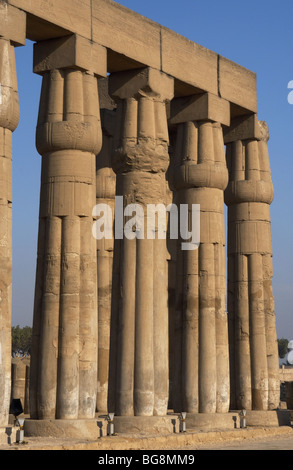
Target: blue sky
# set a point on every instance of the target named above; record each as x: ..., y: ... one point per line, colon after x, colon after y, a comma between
x: 255, y: 34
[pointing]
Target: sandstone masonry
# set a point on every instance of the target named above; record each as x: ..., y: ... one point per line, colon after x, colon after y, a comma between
x: 139, y: 326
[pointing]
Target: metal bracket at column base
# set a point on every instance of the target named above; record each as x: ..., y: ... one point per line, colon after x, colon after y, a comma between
x: 7, y: 435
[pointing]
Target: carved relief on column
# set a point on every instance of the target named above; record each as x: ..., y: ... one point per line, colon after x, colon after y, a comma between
x: 200, y: 176
x: 254, y: 354
x: 69, y: 136
x: 12, y: 32
x: 140, y: 161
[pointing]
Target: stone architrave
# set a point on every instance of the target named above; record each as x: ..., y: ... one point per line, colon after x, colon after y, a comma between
x: 12, y: 33
x: 69, y: 136
x: 200, y: 176
x: 140, y: 161
x: 255, y: 381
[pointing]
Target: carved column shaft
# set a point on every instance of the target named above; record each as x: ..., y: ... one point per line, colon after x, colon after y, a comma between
x: 64, y: 358
x: 252, y: 331
x: 106, y: 190
x: 12, y: 32
x: 200, y: 177
x: 140, y: 162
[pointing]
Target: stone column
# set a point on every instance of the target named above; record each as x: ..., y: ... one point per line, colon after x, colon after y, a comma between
x: 140, y: 161
x: 12, y: 33
x: 254, y: 354
x: 106, y: 190
x: 64, y: 354
x: 200, y: 176
x: 18, y: 379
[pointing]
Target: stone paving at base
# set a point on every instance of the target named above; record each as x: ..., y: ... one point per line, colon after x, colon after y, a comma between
x: 249, y: 438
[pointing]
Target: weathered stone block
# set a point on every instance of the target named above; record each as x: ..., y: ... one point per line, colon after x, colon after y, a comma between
x: 12, y: 24
x: 243, y: 128
x: 200, y: 107
x: 70, y: 52
x: 237, y: 84
x: 189, y: 62
x: 127, y: 84
x: 125, y: 32
x: 71, y: 15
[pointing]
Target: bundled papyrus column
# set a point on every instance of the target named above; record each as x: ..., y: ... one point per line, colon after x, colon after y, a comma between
x: 140, y: 161
x: 69, y: 136
x: 200, y: 176
x: 12, y: 33
x: 255, y: 381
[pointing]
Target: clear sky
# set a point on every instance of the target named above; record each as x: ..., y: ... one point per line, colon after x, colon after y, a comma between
x: 256, y: 34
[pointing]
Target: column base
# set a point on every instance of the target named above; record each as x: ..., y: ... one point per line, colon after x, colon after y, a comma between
x: 212, y: 421
x: 62, y: 428
x: 146, y: 425
x: 92, y: 429
x: 268, y: 418
x: 231, y: 420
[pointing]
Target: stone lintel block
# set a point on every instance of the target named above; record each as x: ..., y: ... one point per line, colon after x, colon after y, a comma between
x: 53, y: 16
x: 12, y: 24
x: 124, y: 32
x: 237, y: 84
x: 123, y: 85
x: 246, y: 128
x: 189, y: 62
x: 199, y: 108
x: 70, y: 52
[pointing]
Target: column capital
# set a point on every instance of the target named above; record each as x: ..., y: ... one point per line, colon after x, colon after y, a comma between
x: 203, y: 107
x: 142, y: 97
x: 12, y: 24
x: 69, y: 113
x: 246, y: 127
x: 250, y: 178
x: 140, y: 82
x: 73, y: 52
x: 9, y: 108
